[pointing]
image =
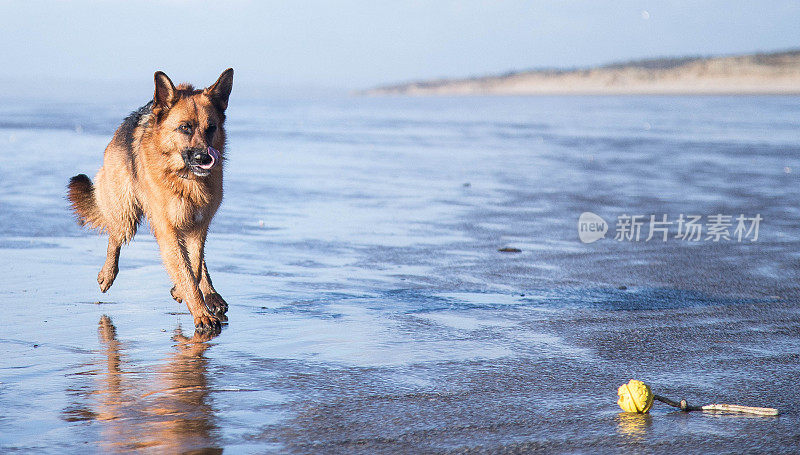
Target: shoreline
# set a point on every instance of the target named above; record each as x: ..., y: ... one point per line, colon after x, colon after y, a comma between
x: 578, y: 93
x: 755, y: 74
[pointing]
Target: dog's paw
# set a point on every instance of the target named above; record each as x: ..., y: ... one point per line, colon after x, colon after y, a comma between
x: 174, y: 293
x: 207, y: 325
x: 217, y: 305
x: 106, y: 277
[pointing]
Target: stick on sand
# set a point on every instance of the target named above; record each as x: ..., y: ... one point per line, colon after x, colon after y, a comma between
x: 636, y: 396
x: 684, y: 406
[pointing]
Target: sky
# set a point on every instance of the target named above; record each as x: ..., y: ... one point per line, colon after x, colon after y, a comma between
x: 354, y: 44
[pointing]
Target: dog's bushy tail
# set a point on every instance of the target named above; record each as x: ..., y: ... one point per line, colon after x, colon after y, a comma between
x: 81, y: 196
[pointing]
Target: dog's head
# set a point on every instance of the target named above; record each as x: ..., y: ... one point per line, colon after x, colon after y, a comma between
x: 189, y: 124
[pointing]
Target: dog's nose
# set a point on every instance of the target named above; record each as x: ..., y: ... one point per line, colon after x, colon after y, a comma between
x: 201, y: 158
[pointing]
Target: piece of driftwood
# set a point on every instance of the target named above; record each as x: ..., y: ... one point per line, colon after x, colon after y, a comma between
x: 686, y: 407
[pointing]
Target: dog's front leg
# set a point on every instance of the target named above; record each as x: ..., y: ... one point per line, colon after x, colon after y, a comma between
x: 215, y: 301
x: 176, y: 260
x: 195, y: 245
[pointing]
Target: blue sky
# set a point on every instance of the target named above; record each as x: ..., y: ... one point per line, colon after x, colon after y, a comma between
x: 357, y: 44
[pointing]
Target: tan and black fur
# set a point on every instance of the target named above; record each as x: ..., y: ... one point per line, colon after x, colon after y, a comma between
x: 160, y: 164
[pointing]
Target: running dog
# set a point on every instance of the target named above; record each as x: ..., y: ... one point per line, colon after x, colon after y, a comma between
x: 165, y: 163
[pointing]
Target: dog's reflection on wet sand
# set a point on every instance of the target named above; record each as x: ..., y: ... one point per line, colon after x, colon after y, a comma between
x: 166, y: 409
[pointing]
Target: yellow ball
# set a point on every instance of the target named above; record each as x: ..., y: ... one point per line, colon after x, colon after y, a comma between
x: 635, y: 396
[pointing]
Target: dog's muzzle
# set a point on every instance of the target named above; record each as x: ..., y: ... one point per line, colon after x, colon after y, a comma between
x: 201, y: 161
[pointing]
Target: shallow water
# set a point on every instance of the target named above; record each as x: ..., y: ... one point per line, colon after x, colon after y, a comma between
x: 370, y: 309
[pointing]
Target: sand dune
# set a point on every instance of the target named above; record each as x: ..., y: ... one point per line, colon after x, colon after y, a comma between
x: 772, y: 73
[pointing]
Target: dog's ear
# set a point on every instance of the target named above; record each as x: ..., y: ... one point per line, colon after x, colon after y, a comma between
x: 165, y: 95
x: 221, y: 90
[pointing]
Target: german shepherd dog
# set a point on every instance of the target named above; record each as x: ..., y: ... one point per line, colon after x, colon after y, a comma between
x: 164, y: 162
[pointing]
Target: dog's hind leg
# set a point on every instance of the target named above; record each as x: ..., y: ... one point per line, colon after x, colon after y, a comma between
x: 109, y: 271
x: 121, y: 215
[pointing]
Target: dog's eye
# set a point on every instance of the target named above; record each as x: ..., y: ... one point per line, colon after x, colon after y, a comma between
x: 210, y: 130
x: 185, y: 128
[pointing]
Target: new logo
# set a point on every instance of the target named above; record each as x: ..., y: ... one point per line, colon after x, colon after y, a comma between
x: 591, y: 227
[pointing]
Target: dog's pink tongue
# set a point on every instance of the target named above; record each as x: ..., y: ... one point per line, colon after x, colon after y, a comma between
x: 214, y: 154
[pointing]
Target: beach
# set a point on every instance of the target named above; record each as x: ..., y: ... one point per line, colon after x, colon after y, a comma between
x: 776, y: 73
x: 370, y: 309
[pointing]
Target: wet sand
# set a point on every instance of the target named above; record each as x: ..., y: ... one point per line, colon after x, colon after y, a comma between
x: 370, y: 309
